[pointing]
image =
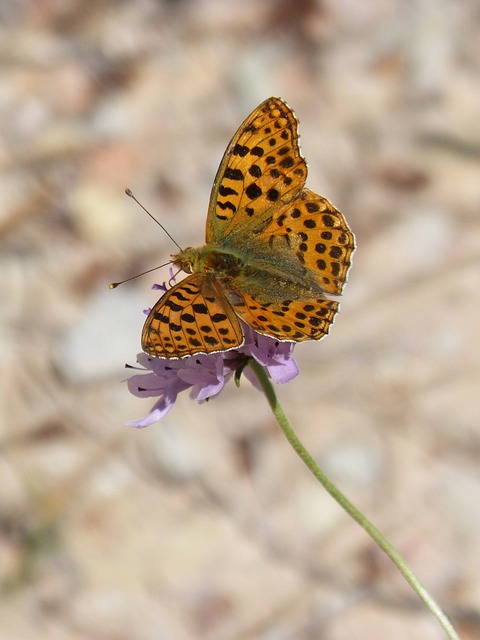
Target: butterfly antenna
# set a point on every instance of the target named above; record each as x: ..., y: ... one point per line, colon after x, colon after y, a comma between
x: 130, y: 195
x: 114, y: 285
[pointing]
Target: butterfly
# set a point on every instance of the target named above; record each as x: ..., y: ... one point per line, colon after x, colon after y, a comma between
x: 274, y: 250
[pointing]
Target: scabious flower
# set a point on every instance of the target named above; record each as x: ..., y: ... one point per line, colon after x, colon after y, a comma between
x: 206, y: 375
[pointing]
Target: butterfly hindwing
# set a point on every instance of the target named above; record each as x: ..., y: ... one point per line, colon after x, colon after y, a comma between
x: 192, y: 317
x: 292, y: 320
x: 312, y: 232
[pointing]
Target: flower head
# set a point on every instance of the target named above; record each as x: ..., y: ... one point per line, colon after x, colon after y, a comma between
x: 206, y: 375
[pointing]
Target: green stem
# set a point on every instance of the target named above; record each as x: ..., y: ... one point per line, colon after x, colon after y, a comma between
x: 352, y: 511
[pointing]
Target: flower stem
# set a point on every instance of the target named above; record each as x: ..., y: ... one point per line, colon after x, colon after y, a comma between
x: 352, y: 511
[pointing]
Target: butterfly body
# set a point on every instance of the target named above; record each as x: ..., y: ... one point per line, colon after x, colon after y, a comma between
x: 274, y: 250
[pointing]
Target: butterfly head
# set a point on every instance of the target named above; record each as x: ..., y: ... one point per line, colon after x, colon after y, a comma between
x: 188, y: 260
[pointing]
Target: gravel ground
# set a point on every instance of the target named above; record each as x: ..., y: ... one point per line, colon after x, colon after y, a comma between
x: 207, y: 525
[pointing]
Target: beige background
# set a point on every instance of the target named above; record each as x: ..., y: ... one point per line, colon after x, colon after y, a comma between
x: 207, y: 526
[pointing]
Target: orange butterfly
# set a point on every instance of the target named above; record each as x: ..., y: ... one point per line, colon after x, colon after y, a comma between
x: 273, y: 250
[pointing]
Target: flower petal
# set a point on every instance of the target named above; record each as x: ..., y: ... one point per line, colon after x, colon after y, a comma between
x: 206, y: 375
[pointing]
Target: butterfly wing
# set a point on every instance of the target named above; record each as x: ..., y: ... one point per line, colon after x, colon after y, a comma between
x: 309, y: 234
x: 261, y: 166
x: 192, y: 317
x: 295, y: 244
x: 302, y: 253
x: 291, y: 320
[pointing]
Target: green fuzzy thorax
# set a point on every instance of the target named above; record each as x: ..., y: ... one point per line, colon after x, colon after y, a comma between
x: 274, y: 278
x: 209, y: 260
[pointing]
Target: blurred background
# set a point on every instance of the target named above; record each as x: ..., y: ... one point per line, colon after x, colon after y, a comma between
x: 207, y: 525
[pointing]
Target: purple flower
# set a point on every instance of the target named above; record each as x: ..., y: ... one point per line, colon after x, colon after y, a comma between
x: 206, y: 375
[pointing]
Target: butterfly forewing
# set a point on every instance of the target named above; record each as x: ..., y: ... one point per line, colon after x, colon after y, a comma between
x: 261, y: 166
x: 192, y: 317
